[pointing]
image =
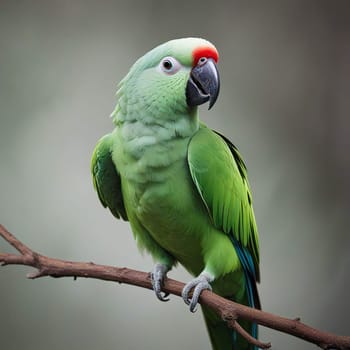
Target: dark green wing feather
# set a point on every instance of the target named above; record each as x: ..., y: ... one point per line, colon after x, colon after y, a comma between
x: 220, y: 175
x: 106, y: 179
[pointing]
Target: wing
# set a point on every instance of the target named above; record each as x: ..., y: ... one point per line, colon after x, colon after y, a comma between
x: 220, y: 176
x: 106, y: 179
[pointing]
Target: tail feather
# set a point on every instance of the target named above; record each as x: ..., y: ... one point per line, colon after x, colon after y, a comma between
x: 250, y: 281
x: 222, y: 337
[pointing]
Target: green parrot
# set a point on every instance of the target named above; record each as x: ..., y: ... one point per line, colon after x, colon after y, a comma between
x: 182, y: 186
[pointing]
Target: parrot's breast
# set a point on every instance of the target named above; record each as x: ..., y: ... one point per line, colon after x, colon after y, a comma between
x: 173, y: 214
x: 160, y: 195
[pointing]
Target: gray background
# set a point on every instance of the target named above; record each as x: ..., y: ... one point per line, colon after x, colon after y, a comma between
x: 284, y: 101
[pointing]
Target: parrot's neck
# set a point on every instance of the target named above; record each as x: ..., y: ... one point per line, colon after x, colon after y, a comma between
x: 152, y: 147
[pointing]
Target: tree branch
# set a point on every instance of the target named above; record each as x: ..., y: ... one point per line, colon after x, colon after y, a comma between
x: 226, y: 309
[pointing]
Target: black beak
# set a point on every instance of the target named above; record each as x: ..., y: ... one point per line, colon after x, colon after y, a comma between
x: 203, y: 84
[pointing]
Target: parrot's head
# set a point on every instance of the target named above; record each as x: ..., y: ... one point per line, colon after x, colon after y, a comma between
x: 173, y: 78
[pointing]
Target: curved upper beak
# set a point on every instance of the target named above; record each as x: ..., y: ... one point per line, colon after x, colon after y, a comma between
x: 203, y: 84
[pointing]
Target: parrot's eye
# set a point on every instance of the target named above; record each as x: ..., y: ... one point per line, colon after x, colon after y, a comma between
x: 202, y: 60
x: 169, y: 65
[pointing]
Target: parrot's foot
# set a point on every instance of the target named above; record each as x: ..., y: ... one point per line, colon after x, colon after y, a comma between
x: 157, y: 277
x: 199, y: 284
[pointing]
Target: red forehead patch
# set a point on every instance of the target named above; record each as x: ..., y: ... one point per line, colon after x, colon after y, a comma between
x: 204, y: 51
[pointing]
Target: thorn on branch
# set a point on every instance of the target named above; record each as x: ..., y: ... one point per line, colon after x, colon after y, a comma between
x: 296, y: 322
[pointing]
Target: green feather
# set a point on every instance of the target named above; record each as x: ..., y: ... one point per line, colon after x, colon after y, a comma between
x: 220, y: 176
x: 182, y: 186
x: 106, y: 179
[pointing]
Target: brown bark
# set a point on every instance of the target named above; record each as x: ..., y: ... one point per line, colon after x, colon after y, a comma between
x: 230, y: 311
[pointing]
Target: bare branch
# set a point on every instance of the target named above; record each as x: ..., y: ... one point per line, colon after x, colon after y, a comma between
x: 229, y: 311
x: 235, y: 325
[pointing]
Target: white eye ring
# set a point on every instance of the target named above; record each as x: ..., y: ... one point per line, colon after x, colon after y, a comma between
x: 169, y: 65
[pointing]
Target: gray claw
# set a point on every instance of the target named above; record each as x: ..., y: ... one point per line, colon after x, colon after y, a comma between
x: 199, y: 284
x: 157, y: 277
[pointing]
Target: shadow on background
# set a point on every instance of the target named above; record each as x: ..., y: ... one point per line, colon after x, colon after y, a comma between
x: 284, y: 101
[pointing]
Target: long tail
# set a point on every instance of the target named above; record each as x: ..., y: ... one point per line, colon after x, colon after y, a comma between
x: 252, y: 295
x: 225, y: 338
x: 222, y: 337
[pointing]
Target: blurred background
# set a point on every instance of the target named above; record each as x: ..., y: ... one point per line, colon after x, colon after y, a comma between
x: 285, y: 73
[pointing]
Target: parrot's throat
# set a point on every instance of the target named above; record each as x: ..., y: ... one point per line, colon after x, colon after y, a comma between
x: 152, y: 148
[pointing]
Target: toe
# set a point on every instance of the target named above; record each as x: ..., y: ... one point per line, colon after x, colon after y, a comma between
x: 157, y: 277
x: 187, y: 289
x: 199, y: 284
x: 196, y: 294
